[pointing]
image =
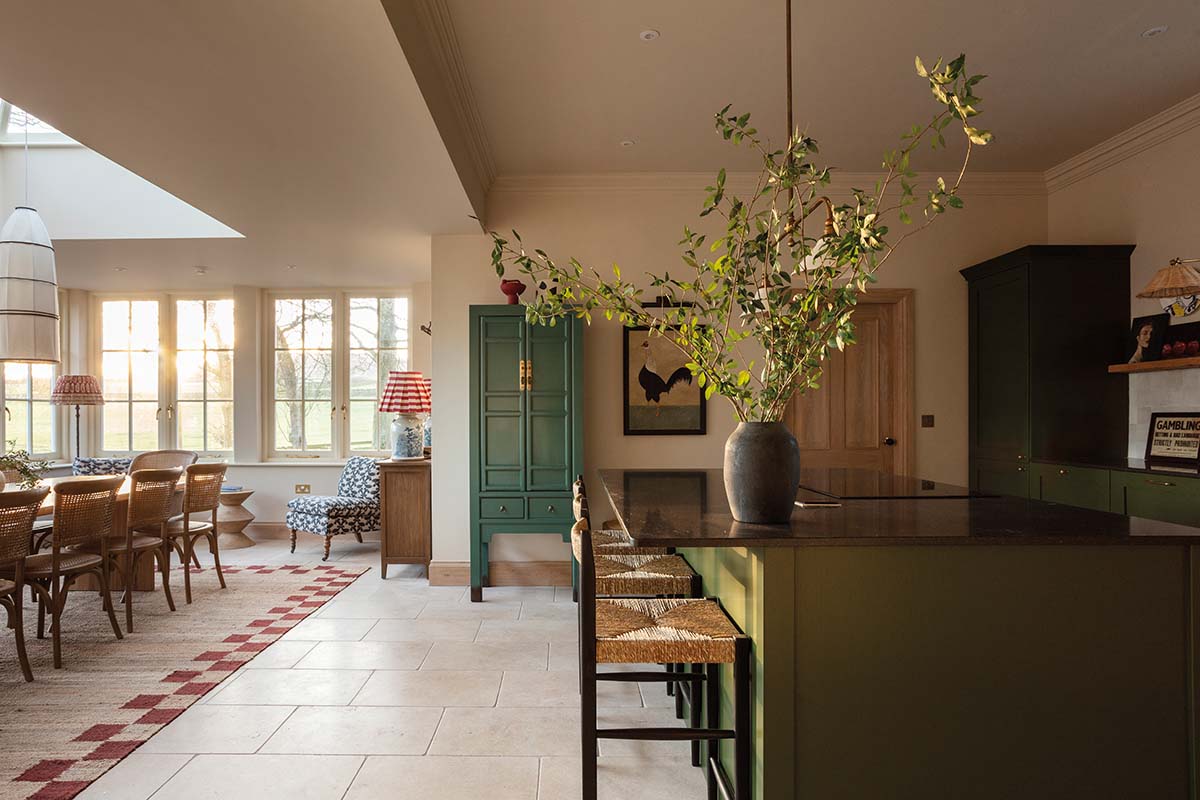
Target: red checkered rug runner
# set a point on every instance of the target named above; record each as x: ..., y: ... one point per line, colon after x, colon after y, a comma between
x: 70, y: 726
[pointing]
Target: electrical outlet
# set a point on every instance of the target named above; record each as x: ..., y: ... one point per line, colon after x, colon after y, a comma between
x: 303, y: 488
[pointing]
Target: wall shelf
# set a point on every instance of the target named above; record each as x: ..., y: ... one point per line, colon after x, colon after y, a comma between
x: 1191, y: 362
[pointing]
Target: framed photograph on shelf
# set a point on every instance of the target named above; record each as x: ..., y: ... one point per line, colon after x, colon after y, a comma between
x: 1146, y: 336
x: 662, y: 397
x: 1174, y: 438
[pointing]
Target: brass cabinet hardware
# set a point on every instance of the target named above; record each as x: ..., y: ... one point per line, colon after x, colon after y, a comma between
x: 1020, y: 458
x: 522, y: 374
x: 1159, y: 483
x: 1020, y: 469
x: 529, y: 376
x: 1062, y: 472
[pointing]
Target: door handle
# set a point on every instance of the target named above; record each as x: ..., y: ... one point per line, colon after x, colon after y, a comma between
x: 503, y: 509
x: 529, y: 376
x: 889, y: 441
x: 549, y: 509
x: 1159, y: 483
x: 522, y: 375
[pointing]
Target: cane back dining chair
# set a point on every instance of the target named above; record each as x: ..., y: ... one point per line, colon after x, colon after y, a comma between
x: 163, y: 459
x: 83, y: 515
x: 650, y: 630
x: 150, y: 494
x: 17, y: 513
x: 201, y: 497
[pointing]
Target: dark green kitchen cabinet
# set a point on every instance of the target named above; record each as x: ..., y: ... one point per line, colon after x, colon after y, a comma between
x: 1045, y: 321
x: 526, y: 427
x: 1073, y: 486
x: 1157, y: 495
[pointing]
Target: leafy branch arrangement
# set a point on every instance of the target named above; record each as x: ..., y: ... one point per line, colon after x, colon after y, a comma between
x: 769, y: 298
x: 24, y: 465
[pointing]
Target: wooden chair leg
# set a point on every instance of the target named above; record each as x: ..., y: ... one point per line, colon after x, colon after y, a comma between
x: 163, y: 554
x: 293, y: 540
x: 55, y: 628
x: 187, y: 569
x: 712, y: 707
x: 328, y: 541
x: 215, y: 550
x: 130, y: 563
x: 18, y: 625
x: 112, y: 614
x: 41, y: 626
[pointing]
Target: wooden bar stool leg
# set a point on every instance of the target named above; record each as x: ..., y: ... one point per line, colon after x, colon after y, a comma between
x: 741, y: 724
x: 587, y: 720
x: 694, y: 693
x: 712, y: 706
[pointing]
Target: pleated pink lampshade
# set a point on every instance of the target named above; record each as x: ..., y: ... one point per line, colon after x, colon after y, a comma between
x: 405, y: 393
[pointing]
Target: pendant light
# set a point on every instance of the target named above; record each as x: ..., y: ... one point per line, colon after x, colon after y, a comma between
x: 29, y: 326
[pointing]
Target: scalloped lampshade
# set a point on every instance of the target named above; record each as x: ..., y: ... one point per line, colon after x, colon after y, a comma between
x: 29, y: 326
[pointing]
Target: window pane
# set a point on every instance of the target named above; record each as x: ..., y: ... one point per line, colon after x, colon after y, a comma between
x: 289, y: 331
x: 43, y: 380
x: 318, y: 323
x: 189, y: 375
x: 189, y: 324
x: 317, y: 426
x: 144, y: 372
x: 218, y: 334
x: 287, y: 374
x: 116, y: 425
x: 145, y: 426
x: 115, y: 373
x: 288, y: 425
x: 143, y: 325
x: 393, y: 322
x: 16, y: 381
x: 367, y: 425
x: 16, y: 426
x: 364, y: 375
x: 219, y: 374
x: 191, y: 425
x: 364, y: 322
x: 391, y: 360
x: 115, y: 324
x: 219, y: 426
x: 43, y: 428
x: 318, y: 375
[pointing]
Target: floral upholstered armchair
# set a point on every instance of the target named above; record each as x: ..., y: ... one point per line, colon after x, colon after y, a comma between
x: 354, y: 509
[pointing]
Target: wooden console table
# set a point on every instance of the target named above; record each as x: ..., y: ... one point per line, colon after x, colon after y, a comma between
x: 406, y: 507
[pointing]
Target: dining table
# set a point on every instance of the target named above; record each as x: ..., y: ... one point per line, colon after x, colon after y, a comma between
x: 143, y: 578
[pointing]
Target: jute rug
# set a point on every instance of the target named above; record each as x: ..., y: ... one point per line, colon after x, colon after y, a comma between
x: 69, y: 726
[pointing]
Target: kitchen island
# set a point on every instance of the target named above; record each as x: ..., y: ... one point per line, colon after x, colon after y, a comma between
x: 932, y: 643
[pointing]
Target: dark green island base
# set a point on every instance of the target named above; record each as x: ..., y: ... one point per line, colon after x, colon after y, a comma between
x: 947, y: 646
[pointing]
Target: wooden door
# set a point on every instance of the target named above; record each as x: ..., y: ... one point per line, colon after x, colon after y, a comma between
x: 861, y: 416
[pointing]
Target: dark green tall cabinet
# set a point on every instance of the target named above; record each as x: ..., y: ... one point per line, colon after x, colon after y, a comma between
x: 1045, y: 323
x: 526, y: 428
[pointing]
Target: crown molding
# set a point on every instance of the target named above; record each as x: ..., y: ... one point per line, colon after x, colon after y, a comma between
x: 434, y: 16
x: 982, y: 184
x: 1164, y: 125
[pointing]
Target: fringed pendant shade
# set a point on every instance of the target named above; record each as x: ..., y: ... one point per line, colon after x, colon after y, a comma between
x: 29, y: 325
x: 1177, y: 279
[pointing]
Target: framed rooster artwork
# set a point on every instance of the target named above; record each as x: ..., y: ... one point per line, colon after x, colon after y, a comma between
x: 662, y: 397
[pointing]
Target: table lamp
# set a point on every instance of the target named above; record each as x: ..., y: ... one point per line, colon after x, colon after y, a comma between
x: 77, y: 390
x: 406, y: 396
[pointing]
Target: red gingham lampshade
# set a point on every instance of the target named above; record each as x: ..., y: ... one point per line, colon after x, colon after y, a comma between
x: 77, y: 390
x: 405, y: 393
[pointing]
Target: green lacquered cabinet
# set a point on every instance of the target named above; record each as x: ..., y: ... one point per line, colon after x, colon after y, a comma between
x: 1004, y: 477
x: 1073, y: 486
x: 1156, y: 496
x: 1045, y: 321
x: 526, y: 428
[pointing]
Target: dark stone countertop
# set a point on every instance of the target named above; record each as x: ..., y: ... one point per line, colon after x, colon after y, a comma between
x: 849, y: 483
x: 687, y: 508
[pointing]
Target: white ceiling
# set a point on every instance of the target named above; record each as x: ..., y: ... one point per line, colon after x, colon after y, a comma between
x: 559, y: 83
x: 296, y: 122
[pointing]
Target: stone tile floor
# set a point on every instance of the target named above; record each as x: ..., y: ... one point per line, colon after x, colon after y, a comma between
x: 399, y: 689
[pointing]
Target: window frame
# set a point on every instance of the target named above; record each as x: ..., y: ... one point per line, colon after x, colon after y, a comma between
x: 340, y: 394
x: 168, y: 401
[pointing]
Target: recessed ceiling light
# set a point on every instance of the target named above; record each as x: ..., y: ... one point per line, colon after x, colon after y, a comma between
x: 628, y: 142
x: 649, y: 35
x: 201, y: 270
x: 118, y: 269
x: 1157, y: 30
x: 291, y: 266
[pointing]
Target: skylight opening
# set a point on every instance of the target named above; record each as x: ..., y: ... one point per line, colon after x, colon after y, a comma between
x: 14, y: 122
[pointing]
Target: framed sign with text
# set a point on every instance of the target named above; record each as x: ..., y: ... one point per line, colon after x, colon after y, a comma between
x: 1174, y: 438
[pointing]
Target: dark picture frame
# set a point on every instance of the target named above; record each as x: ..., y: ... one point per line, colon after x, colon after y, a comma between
x: 1146, y: 336
x: 1174, y: 438
x: 644, y: 390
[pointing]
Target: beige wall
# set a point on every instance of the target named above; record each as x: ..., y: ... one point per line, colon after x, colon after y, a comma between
x: 1148, y: 199
x: 636, y: 222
